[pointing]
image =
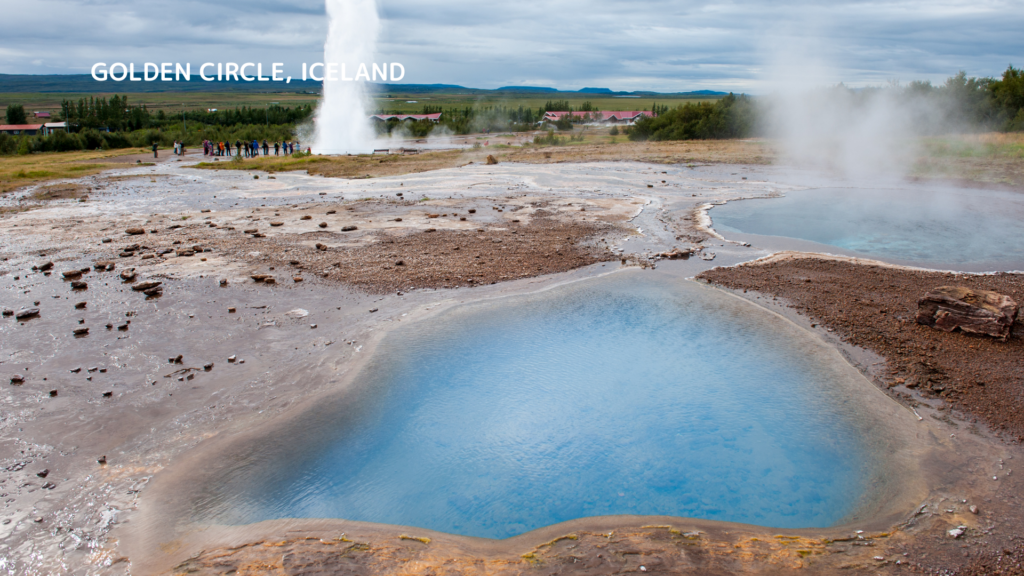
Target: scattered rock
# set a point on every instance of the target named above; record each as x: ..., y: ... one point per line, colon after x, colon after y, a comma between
x: 17, y: 380
x: 472, y: 210
x: 277, y: 223
x: 957, y: 532
x: 433, y: 215
x: 102, y: 460
x: 972, y: 311
x: 372, y: 310
x: 232, y: 358
x: 296, y: 278
x: 135, y: 231
x: 155, y: 291
x: 27, y: 313
x: 72, y: 274
x: 260, y: 277
x: 128, y: 275
x: 45, y: 266
x: 270, y: 280
x: 677, y: 254
x: 8, y: 313
x: 973, y: 509
x: 322, y: 224
x: 103, y: 265
x: 49, y: 485
x: 176, y: 360
x: 320, y: 246
x: 79, y: 285
x: 398, y: 219
x: 491, y: 160
x: 251, y: 231
x: 53, y: 393
x: 123, y: 327
x: 186, y: 253
x: 223, y: 281
x: 231, y: 310
x: 43, y: 473
x: 107, y: 240
x: 329, y: 212
x: 208, y: 367
x: 297, y: 313
x: 348, y: 228
x: 80, y: 306
x: 147, y: 285
x: 108, y: 394
x: 306, y: 217
x: 81, y: 331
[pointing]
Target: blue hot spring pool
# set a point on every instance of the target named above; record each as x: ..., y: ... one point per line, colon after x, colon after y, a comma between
x: 944, y: 228
x: 616, y: 396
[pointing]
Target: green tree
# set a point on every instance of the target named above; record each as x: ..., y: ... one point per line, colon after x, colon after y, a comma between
x: 16, y: 114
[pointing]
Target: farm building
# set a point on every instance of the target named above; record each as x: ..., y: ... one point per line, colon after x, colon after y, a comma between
x: 601, y: 116
x: 21, y: 129
x: 402, y: 117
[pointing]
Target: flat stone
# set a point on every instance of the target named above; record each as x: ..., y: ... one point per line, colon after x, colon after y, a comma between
x: 135, y: 231
x: 147, y: 285
x: 72, y: 274
x: 27, y: 313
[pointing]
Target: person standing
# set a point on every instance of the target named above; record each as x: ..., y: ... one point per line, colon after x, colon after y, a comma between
x: 277, y: 148
x: 154, y: 149
x: 266, y: 148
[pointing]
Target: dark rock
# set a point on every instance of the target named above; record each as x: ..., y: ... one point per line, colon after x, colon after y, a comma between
x: 323, y: 224
x: 143, y: 286
x: 8, y: 313
x: 491, y: 160
x: 49, y: 485
x: 123, y: 327
x: 79, y: 285
x: 320, y: 246
x: 251, y: 230
x: 372, y: 310
x: 176, y: 360
x: 102, y: 265
x: 45, y: 266
x: 80, y: 305
x: 102, y: 460
x: 329, y: 212
x: 306, y: 217
x: 107, y: 240
x: 28, y: 313
x: 277, y: 223
x: 128, y: 275
x: 155, y: 291
x: 348, y: 228
x: 108, y: 394
x: 43, y: 473
x: 17, y: 380
x: 135, y: 231
x: 53, y: 393
x: 81, y: 331
x: 186, y: 253
x: 972, y: 311
x: 72, y: 274
x: 208, y: 367
x: 472, y: 210
x: 260, y: 277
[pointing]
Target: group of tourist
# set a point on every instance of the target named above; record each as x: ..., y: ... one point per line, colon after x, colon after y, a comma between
x: 246, y: 149
x: 179, y: 148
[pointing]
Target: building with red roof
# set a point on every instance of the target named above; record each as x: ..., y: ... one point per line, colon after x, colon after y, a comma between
x: 602, y: 116
x: 21, y: 129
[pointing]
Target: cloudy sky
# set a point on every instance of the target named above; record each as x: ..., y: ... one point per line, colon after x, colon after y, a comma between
x: 641, y: 44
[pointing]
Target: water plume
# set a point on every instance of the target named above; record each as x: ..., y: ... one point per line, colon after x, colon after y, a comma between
x: 342, y: 122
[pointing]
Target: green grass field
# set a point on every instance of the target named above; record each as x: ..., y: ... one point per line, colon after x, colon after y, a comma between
x: 407, y: 103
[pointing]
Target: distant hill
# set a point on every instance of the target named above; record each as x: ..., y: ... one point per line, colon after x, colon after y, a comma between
x: 84, y: 84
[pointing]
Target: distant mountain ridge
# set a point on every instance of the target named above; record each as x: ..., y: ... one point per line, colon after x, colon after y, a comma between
x: 84, y: 84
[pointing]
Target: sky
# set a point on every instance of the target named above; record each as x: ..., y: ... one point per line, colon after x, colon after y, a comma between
x: 668, y: 46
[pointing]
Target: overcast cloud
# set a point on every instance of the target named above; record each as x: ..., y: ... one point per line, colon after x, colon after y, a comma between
x: 635, y: 45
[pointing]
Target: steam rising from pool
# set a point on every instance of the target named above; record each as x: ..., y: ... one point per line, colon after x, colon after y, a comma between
x: 342, y: 123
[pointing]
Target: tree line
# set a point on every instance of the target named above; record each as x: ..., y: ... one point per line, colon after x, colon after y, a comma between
x: 961, y: 104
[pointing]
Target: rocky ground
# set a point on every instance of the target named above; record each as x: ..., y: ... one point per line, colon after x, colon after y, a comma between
x: 970, y: 381
x: 315, y: 268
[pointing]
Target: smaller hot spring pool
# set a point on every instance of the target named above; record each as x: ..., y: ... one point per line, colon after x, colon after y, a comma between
x: 945, y: 228
x: 617, y: 396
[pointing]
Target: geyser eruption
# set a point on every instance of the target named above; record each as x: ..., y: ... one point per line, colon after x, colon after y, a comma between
x: 342, y: 124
